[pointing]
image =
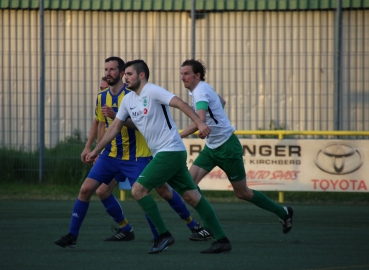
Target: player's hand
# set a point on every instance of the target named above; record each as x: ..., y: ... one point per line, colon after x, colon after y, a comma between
x: 91, y: 156
x: 85, y: 152
x: 204, y: 130
x: 200, y: 135
x: 108, y: 111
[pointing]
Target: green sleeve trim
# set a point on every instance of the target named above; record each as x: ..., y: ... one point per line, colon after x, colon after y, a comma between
x: 202, y: 105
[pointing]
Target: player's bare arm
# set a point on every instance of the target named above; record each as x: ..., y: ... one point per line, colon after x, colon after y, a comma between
x: 90, y: 140
x: 109, y: 135
x: 192, y: 127
x: 178, y: 103
x: 129, y: 124
x: 189, y: 130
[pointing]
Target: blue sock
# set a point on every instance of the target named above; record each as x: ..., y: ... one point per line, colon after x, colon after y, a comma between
x: 152, y: 227
x: 178, y: 205
x: 79, y: 212
x: 114, y: 209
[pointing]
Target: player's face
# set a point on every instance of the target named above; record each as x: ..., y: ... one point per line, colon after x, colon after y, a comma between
x: 103, y: 85
x: 131, y: 78
x: 189, y: 79
x: 112, y: 73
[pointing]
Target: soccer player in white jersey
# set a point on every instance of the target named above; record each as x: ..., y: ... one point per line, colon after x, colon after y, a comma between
x: 148, y: 108
x: 223, y: 148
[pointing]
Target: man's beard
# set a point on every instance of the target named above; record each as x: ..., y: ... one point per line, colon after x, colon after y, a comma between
x: 134, y: 86
x: 114, y: 81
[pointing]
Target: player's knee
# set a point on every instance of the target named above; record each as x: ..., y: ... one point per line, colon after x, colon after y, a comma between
x: 192, y: 197
x: 138, y: 191
x: 243, y: 195
x: 85, y: 193
x: 165, y: 193
x: 102, y: 194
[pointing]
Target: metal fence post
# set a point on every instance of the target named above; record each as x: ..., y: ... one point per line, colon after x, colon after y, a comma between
x: 193, y: 29
x: 337, y: 63
x: 42, y: 92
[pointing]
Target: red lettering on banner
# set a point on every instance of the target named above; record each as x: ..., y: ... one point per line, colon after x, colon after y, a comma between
x: 261, y: 174
x: 343, y: 184
x: 324, y: 184
x: 334, y: 183
x: 353, y: 183
x: 258, y: 175
x: 217, y: 174
x: 314, y: 181
x: 273, y: 175
x: 362, y: 185
x: 287, y: 175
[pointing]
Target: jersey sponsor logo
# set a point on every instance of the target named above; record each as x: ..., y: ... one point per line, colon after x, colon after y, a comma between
x: 144, y: 102
x: 136, y: 114
x: 115, y: 105
x: 145, y: 111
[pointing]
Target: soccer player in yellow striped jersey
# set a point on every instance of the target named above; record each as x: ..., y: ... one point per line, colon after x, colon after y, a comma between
x: 129, y: 144
x: 126, y: 156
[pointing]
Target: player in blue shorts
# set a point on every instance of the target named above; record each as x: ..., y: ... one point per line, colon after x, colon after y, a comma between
x: 223, y: 148
x: 125, y: 156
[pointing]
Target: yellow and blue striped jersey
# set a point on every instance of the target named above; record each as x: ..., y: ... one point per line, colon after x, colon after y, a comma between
x: 129, y: 144
x: 96, y: 118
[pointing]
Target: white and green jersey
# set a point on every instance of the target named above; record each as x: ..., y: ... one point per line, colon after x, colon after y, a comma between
x: 149, y: 111
x: 216, y: 118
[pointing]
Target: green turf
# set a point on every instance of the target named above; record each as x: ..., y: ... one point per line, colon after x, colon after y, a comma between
x: 323, y: 237
x: 42, y: 191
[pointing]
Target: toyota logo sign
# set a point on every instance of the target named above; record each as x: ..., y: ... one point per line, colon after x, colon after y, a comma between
x: 339, y: 158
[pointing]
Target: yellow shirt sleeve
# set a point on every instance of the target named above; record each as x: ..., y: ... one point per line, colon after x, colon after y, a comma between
x: 98, y: 113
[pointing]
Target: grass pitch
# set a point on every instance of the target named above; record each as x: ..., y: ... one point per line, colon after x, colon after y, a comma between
x: 323, y: 237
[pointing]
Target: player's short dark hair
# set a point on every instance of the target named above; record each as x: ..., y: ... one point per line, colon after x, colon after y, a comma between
x: 120, y: 61
x: 197, y: 67
x: 140, y: 66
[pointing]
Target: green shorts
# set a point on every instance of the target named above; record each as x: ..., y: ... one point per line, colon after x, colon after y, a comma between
x: 170, y: 167
x: 228, y: 157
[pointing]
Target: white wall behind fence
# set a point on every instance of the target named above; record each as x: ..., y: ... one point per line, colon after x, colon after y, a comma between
x: 268, y: 66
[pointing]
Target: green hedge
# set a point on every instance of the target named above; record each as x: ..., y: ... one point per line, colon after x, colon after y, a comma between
x: 62, y: 164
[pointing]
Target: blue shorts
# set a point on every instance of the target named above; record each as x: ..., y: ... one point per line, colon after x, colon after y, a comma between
x: 107, y: 168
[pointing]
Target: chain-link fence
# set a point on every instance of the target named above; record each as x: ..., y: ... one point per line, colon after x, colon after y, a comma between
x: 296, y: 64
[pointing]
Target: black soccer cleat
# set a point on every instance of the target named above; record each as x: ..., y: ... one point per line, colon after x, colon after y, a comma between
x: 161, y: 243
x: 200, y: 234
x: 287, y: 222
x: 120, y: 235
x: 218, y: 247
x: 68, y: 240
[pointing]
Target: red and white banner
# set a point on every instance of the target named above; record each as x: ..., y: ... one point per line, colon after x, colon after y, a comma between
x: 295, y: 165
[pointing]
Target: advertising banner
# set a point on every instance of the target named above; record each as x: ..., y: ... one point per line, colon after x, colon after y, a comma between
x: 295, y: 165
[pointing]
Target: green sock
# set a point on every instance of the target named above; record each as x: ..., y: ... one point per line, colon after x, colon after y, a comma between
x: 200, y: 191
x: 151, y: 209
x: 262, y: 201
x: 204, y: 225
x: 207, y: 214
